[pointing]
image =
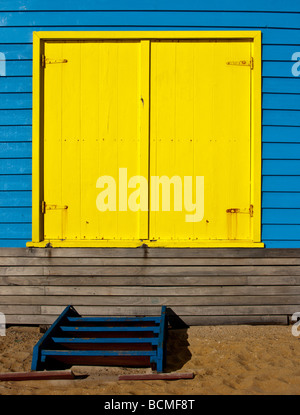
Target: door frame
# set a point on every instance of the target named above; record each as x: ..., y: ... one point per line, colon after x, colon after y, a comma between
x: 39, y: 39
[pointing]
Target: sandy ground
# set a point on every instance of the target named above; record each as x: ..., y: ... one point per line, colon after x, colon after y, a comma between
x: 227, y: 360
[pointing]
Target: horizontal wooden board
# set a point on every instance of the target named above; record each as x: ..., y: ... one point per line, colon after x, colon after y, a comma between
x: 155, y: 18
x: 282, y: 231
x: 179, y: 310
x: 281, y: 184
x: 281, y: 151
x: 11, y: 150
x: 272, y: 36
x: 16, y: 51
x: 281, y: 85
x: 150, y: 252
x: 278, y: 52
x: 149, y: 291
x: 281, y: 101
x: 149, y: 301
x: 15, y: 182
x: 81, y: 263
x: 169, y: 281
x: 15, y: 198
x: 15, y: 133
x: 16, y: 101
x: 277, y: 117
x: 141, y: 271
x: 15, y: 230
x: 281, y: 244
x: 15, y: 215
x: 281, y: 167
x: 218, y: 5
x: 281, y: 200
x: 189, y: 320
x: 15, y: 166
x: 16, y: 84
x: 280, y: 216
x: 18, y: 68
x: 15, y: 117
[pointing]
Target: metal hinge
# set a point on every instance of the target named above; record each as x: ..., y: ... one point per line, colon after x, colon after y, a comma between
x: 51, y: 207
x: 236, y: 210
x: 49, y: 61
x: 242, y: 63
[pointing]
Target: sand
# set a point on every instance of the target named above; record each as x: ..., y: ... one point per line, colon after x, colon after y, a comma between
x: 226, y: 360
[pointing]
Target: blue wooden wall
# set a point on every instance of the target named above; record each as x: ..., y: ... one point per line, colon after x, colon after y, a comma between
x: 279, y: 22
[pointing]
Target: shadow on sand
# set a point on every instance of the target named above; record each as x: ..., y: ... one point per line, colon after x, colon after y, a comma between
x: 178, y: 353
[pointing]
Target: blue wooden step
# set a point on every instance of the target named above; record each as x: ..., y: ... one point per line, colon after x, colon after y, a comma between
x: 127, y: 341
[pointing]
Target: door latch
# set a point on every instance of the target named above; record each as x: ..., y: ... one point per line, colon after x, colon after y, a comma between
x: 49, y: 61
x: 242, y: 63
x: 52, y: 207
x: 237, y: 210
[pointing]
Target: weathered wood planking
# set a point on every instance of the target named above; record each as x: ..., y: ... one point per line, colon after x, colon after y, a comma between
x: 149, y: 252
x: 201, y: 286
x: 146, y: 271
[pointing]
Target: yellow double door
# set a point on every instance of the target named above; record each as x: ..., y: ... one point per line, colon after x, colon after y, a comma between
x: 147, y: 140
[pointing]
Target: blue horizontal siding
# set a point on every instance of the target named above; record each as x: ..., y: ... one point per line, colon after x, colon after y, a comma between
x: 280, y: 244
x: 15, y: 150
x: 15, y: 84
x: 280, y: 100
x: 281, y: 85
x: 14, y: 243
x: 15, y: 166
x: 15, y: 215
x: 15, y: 133
x: 270, y: 36
x: 278, y: 52
x: 15, y: 117
x: 15, y: 199
x: 288, y: 232
x: 280, y: 167
x: 150, y: 18
x: 17, y: 51
x: 287, y: 151
x: 277, y: 117
x: 15, y: 230
x: 280, y: 216
x: 281, y: 184
x: 15, y: 182
x: 16, y: 101
x: 19, y: 67
x: 281, y: 200
x: 218, y: 5
x: 281, y: 134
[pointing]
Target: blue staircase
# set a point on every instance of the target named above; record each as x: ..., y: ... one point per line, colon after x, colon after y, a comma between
x: 102, y: 341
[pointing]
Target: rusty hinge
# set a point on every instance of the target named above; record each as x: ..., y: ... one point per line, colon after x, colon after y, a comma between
x: 49, y: 61
x: 237, y: 210
x: 242, y: 63
x: 51, y: 207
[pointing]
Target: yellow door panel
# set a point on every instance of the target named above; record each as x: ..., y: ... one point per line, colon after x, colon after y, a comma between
x: 174, y: 123
x: 96, y: 123
x: 200, y: 126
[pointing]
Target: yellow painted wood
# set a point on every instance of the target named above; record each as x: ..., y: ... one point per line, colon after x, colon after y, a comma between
x: 151, y: 244
x: 96, y: 122
x: 99, y: 122
x: 37, y: 188
x: 159, y: 34
x: 200, y: 126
